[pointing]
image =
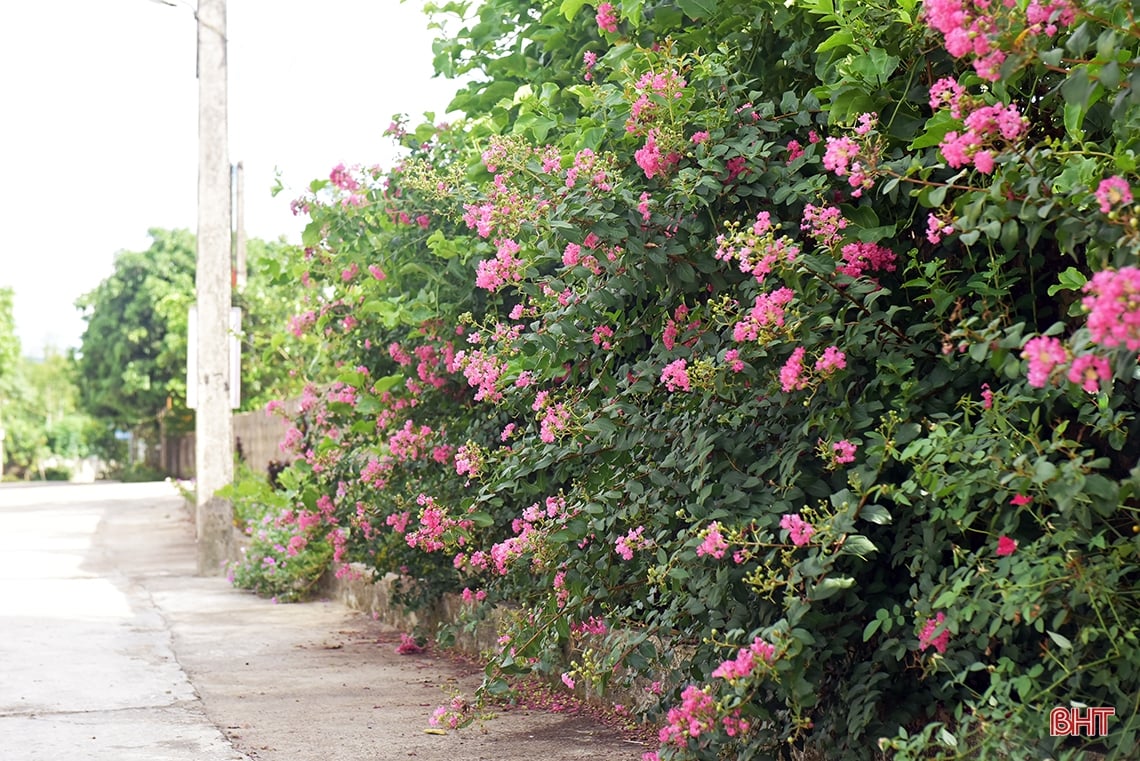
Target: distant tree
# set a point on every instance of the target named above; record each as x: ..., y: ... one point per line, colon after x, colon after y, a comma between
x: 132, y: 360
x: 9, y: 342
x: 42, y: 418
x: 133, y: 352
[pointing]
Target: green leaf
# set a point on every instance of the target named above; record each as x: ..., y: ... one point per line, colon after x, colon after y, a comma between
x: 1072, y: 279
x: 875, y: 514
x: 1062, y: 641
x: 830, y: 586
x: 570, y: 8
x: 842, y: 38
x: 859, y: 545
x: 698, y: 9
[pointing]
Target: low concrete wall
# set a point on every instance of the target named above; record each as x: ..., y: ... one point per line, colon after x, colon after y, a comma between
x: 358, y: 591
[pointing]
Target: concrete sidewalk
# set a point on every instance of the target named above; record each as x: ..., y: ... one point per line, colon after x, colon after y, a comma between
x: 110, y: 648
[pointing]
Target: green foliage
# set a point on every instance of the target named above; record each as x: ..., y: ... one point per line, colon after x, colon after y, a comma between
x: 914, y: 549
x: 39, y: 401
x: 133, y: 356
x: 280, y: 561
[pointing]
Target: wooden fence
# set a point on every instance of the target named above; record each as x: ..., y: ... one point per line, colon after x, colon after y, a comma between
x: 257, y: 440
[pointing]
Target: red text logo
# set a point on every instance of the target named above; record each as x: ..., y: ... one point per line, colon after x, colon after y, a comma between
x: 1077, y: 721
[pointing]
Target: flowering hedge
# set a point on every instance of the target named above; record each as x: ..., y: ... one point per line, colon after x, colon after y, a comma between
x: 782, y: 351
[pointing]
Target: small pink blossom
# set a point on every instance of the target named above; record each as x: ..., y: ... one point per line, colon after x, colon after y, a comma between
x: 1006, y: 546
x: 1044, y: 354
x: 799, y: 530
x: 791, y: 374
x: 1089, y: 371
x: 927, y: 639
x: 844, y: 451
x: 675, y: 376
x: 1113, y: 192
x: 713, y: 544
x: 607, y: 18
x: 833, y: 359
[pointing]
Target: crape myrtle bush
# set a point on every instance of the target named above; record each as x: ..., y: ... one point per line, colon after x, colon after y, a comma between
x: 774, y: 360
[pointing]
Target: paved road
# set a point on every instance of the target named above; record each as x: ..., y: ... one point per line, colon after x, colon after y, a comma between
x: 112, y: 649
x: 87, y: 667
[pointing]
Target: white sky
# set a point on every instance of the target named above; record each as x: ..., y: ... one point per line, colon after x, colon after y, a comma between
x: 98, y: 126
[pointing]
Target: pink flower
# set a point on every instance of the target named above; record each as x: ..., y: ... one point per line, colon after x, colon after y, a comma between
x: 567, y: 680
x: 732, y: 357
x: 799, y: 530
x: 745, y: 662
x: 714, y: 544
x: 791, y: 378
x: 927, y: 639
x: 1020, y: 499
x: 833, y: 359
x: 795, y: 150
x: 590, y: 59
x: 408, y: 645
x: 695, y: 716
x: 1113, y: 192
x: 1113, y: 303
x: 376, y: 272
x: 606, y: 18
x: 840, y: 152
x: 987, y: 396
x: 699, y: 137
x: 1044, y: 354
x: 844, y: 451
x: 1006, y: 546
x: 1088, y: 371
x: 651, y: 160
x: 675, y: 376
x: 859, y: 258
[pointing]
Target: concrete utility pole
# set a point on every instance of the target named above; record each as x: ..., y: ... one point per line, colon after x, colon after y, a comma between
x: 213, y: 429
x: 239, y: 225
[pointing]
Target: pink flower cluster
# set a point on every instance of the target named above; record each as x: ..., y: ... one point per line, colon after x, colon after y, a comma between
x: 980, y: 29
x: 675, y: 376
x: 713, y: 544
x: 799, y: 530
x: 746, y: 660
x: 823, y: 223
x: 408, y: 442
x: 469, y: 460
x: 1044, y: 354
x: 695, y: 716
x: 831, y: 360
x: 791, y: 373
x: 652, y: 161
x: 926, y: 638
x: 984, y: 124
x: 650, y: 90
x: 434, y: 523
x: 1113, y: 303
x: 626, y: 545
x: 859, y: 258
x: 483, y: 371
x: 505, y: 268
x: 843, y: 452
x: 1006, y: 546
x: 343, y: 179
x: 607, y: 18
x: 756, y: 248
x: 767, y: 312
x: 937, y: 229
x: 853, y: 159
x: 1113, y: 192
